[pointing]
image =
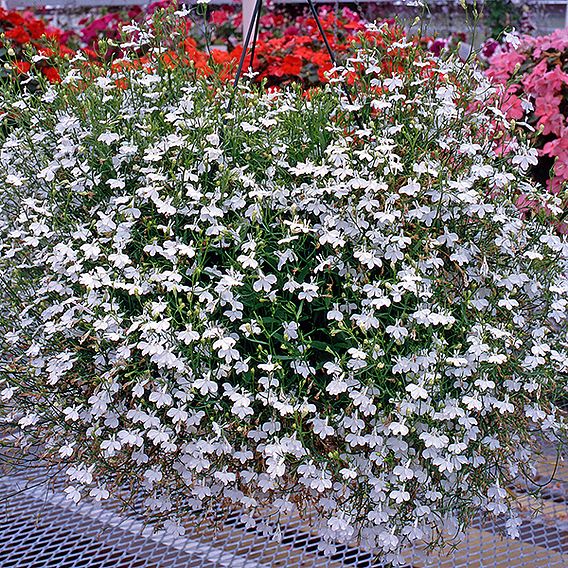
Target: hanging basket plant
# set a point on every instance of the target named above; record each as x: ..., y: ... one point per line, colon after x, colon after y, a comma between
x: 273, y: 308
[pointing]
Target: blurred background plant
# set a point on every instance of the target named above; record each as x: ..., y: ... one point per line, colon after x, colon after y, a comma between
x: 535, y: 74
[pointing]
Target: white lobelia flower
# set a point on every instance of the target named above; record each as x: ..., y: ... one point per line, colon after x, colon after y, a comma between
x: 264, y: 283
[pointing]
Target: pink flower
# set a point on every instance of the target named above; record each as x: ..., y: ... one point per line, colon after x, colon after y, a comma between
x: 511, y: 104
x: 503, y: 65
x: 526, y: 205
x: 543, y: 81
x: 558, y: 148
x: 547, y: 109
x: 556, y: 41
x: 533, y: 81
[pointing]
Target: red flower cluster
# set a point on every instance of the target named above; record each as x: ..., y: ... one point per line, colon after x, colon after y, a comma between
x: 289, y: 49
x: 20, y: 29
x: 300, y: 53
x: 24, y: 27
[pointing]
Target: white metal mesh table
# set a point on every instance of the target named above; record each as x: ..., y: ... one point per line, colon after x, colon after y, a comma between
x: 39, y: 528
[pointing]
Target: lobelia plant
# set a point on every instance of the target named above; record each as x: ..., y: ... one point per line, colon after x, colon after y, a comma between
x: 274, y: 309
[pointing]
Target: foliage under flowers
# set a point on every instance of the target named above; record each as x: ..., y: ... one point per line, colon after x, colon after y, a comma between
x: 535, y: 72
x: 273, y: 307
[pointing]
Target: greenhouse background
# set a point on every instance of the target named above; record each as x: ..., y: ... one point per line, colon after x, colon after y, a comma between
x: 44, y: 524
x: 446, y: 15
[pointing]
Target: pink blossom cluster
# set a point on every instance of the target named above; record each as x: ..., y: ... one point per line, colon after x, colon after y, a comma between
x: 535, y: 73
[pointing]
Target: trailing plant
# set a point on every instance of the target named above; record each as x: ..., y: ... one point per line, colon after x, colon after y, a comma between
x: 266, y: 305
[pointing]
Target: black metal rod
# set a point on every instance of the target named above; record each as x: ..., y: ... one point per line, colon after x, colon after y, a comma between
x: 255, y: 24
x: 321, y: 30
x: 255, y: 17
x: 332, y: 57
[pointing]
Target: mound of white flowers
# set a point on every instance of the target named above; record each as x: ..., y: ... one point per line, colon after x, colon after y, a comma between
x: 274, y: 309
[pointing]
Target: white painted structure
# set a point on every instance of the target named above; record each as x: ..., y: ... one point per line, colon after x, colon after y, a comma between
x: 248, y: 9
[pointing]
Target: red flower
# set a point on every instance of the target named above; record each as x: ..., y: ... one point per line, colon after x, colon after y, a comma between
x: 22, y: 66
x: 19, y: 35
x: 219, y: 17
x: 90, y: 53
x: 121, y: 84
x: 291, y: 65
x: 36, y: 28
x: 51, y: 74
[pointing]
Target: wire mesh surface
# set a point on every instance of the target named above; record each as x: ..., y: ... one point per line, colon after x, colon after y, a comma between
x: 40, y: 528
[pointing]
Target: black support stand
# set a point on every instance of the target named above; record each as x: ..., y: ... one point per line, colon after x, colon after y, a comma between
x: 254, y: 27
